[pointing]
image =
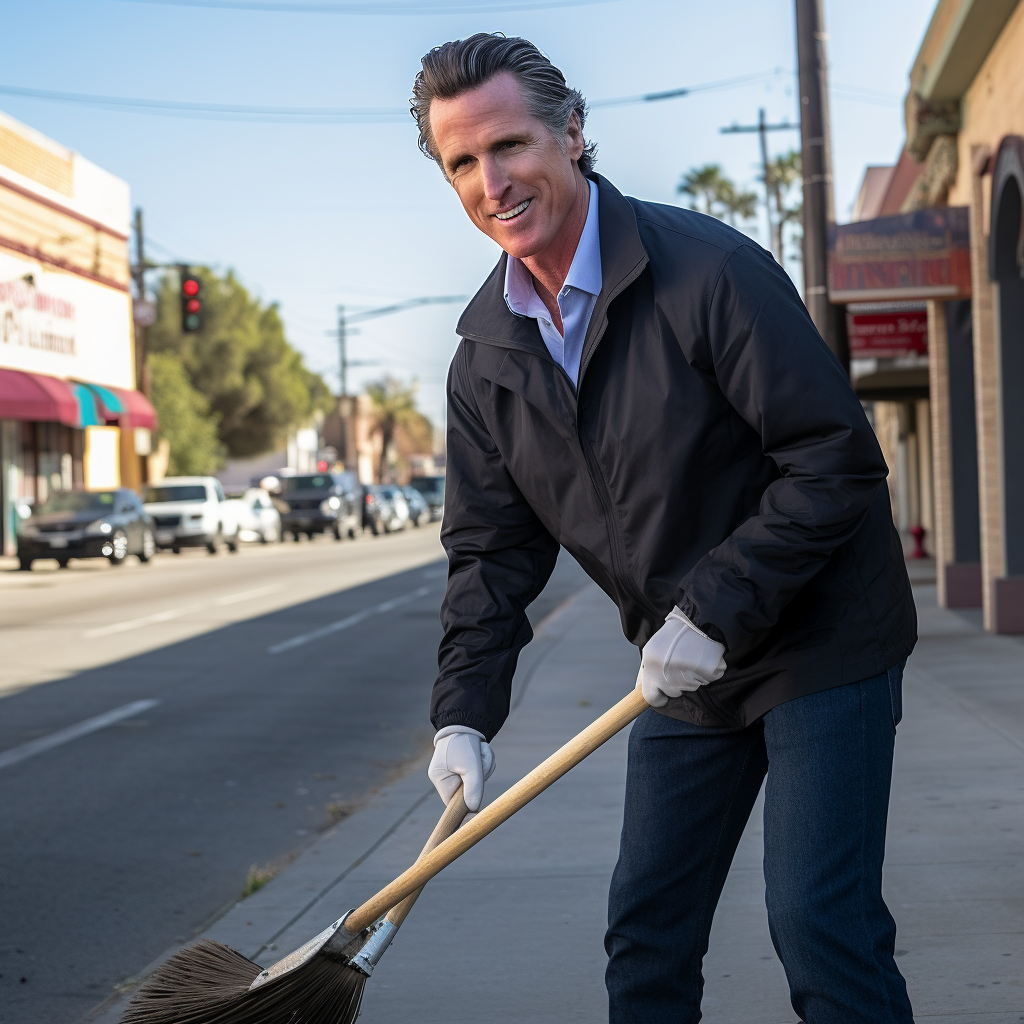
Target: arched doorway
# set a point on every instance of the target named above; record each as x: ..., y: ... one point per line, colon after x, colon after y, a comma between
x: 1006, y: 265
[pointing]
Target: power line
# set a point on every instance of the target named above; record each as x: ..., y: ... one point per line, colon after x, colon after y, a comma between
x: 670, y: 94
x: 220, y: 111
x: 398, y: 7
x: 301, y: 114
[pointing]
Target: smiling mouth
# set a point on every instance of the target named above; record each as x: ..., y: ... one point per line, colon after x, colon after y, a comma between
x: 516, y: 211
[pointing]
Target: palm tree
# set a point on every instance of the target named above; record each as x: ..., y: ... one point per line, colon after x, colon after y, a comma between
x: 719, y: 195
x: 783, y: 173
x: 394, y: 405
x: 708, y: 184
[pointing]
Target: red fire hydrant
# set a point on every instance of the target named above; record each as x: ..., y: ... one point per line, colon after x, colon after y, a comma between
x: 918, y: 533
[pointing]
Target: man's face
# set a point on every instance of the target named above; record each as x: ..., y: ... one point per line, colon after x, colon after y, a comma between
x: 515, y: 181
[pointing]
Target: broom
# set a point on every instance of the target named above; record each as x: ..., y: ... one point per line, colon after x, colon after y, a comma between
x: 322, y: 981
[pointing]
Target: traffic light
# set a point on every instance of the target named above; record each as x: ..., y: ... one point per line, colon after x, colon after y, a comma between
x: 191, y: 305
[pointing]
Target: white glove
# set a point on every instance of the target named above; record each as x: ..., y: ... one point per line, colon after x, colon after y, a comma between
x: 678, y: 658
x: 461, y: 755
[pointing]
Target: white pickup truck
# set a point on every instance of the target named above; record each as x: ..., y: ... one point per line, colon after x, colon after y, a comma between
x: 192, y: 511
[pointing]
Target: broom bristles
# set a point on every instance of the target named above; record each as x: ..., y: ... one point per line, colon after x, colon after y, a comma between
x: 208, y: 983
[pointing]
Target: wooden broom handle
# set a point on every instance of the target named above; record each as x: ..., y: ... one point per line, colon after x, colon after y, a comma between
x: 561, y: 761
x: 453, y: 816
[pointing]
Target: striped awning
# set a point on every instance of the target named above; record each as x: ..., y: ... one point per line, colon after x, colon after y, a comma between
x: 37, y: 397
x: 118, y: 405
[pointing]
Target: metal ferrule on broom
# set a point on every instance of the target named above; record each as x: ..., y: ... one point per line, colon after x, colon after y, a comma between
x: 447, y: 843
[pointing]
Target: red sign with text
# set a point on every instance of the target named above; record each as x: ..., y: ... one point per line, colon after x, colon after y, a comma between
x: 887, y: 335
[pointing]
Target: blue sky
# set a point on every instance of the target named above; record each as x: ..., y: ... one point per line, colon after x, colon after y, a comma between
x: 311, y: 215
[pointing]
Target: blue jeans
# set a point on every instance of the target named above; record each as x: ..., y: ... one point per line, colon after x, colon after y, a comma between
x: 689, y: 792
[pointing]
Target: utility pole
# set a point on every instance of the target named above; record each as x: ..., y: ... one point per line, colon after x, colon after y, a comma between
x: 342, y: 351
x: 141, y: 311
x: 816, y: 161
x: 770, y: 189
x: 346, y: 407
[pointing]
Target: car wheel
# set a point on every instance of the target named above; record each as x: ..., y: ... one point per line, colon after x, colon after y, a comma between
x: 148, y: 546
x: 263, y: 537
x: 62, y: 563
x: 24, y: 564
x: 214, y: 545
x: 175, y: 550
x: 118, y: 547
x: 337, y: 533
x: 296, y: 536
x: 233, y: 544
x: 351, y: 533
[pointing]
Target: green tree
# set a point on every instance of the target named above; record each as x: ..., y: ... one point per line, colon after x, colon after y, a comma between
x: 394, y: 408
x: 717, y: 193
x: 185, y: 420
x: 255, y: 384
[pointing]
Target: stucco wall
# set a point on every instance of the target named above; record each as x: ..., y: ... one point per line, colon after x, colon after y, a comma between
x: 993, y: 106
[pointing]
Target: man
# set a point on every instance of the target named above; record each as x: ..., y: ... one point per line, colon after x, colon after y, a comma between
x: 642, y: 385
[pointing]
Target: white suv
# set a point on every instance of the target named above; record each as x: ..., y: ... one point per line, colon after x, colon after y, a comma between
x: 192, y: 511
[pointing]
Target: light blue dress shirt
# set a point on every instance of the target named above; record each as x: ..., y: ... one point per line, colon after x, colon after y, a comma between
x: 576, y: 300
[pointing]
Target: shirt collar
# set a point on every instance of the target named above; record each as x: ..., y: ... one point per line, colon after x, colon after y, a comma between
x: 584, y: 272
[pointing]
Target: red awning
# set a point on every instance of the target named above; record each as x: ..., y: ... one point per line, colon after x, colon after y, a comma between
x: 33, y: 396
x: 140, y: 413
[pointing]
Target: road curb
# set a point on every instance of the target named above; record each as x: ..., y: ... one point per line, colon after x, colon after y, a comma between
x: 253, y: 925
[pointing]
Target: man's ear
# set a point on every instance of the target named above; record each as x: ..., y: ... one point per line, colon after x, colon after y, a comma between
x: 574, y: 142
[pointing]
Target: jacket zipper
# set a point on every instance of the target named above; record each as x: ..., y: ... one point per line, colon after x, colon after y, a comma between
x: 616, y: 547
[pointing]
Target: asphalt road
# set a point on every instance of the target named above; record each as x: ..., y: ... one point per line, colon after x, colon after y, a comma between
x: 281, y: 686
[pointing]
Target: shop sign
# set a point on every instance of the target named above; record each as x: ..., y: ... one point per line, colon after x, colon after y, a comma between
x: 919, y: 255
x: 888, y: 335
x: 62, y: 325
x: 32, y: 319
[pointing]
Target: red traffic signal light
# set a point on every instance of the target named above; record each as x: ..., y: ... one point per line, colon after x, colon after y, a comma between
x: 191, y: 307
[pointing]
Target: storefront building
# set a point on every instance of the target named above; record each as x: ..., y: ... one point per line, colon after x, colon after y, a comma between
x: 962, y: 176
x: 70, y: 416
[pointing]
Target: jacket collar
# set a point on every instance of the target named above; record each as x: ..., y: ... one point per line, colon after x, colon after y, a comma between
x: 487, y: 318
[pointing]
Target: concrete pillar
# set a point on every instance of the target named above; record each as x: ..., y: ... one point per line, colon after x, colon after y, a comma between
x: 987, y: 398
x: 954, y: 455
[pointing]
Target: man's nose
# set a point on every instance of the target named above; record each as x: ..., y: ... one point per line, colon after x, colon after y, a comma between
x: 496, y: 179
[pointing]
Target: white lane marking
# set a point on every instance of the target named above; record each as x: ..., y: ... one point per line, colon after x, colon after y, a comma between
x: 173, y: 613
x: 72, y: 732
x: 352, y: 620
x: 246, y: 595
x: 146, y: 620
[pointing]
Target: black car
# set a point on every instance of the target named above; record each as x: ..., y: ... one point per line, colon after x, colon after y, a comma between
x: 320, y: 503
x: 378, y: 512
x: 87, y: 524
x: 432, y: 489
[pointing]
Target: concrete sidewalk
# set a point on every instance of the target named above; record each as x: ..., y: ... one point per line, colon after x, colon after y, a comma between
x: 513, y: 931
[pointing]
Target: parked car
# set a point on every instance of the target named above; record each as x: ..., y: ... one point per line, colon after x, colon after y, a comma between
x: 376, y: 510
x: 86, y: 524
x: 399, y: 519
x: 193, y: 511
x: 321, y: 503
x: 419, y: 510
x: 432, y: 489
x: 259, y: 519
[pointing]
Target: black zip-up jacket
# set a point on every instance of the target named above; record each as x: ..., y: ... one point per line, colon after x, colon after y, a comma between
x: 714, y: 457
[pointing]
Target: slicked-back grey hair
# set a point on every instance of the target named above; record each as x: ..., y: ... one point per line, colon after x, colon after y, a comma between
x: 463, y: 64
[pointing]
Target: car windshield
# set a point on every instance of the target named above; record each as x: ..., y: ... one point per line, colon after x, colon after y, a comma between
x: 391, y: 493
x: 176, y: 492
x: 77, y: 501
x: 320, y: 482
